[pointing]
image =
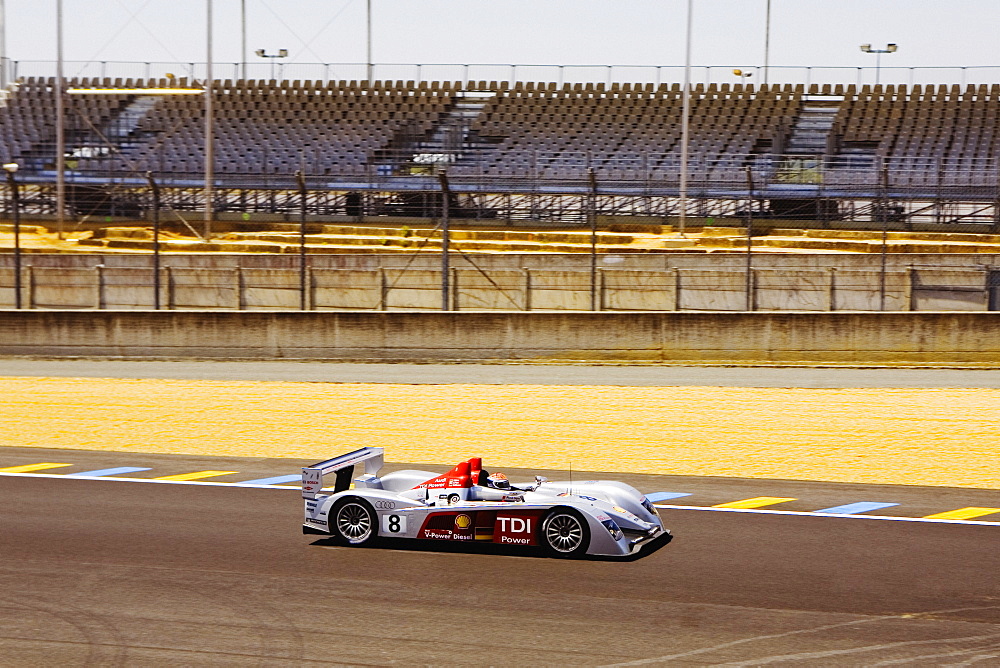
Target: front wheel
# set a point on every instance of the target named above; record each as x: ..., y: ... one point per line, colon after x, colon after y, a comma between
x: 565, y: 533
x: 352, y: 522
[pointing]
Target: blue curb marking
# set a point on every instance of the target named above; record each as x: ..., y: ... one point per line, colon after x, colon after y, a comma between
x: 115, y: 471
x: 276, y: 480
x: 663, y: 496
x: 854, y: 508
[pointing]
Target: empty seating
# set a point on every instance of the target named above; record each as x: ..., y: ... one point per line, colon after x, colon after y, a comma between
x: 626, y: 130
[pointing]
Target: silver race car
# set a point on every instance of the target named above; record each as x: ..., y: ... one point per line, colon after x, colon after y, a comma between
x: 595, y: 517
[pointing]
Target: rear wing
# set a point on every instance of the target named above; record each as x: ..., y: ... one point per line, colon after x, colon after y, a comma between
x: 312, y: 476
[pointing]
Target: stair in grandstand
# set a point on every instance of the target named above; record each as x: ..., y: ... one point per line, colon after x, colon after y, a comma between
x: 857, y: 155
x: 811, y: 131
x: 122, y: 131
x: 451, y: 142
x: 90, y: 147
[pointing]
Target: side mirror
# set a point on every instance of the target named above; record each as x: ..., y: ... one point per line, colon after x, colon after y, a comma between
x: 540, y: 479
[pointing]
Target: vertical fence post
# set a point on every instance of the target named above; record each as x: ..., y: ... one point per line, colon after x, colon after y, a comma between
x: 100, y: 286
x: 156, y: 239
x: 883, y: 210
x: 749, y: 221
x: 677, y: 288
x: 240, y: 289
x: 170, y: 288
x: 15, y: 198
x: 445, y: 238
x: 527, y: 288
x: 911, y: 284
x: 831, y: 302
x: 311, y: 276
x: 592, y: 215
x: 601, y: 287
x: 31, y: 286
x: 383, y: 290
x: 301, y: 179
x: 454, y: 289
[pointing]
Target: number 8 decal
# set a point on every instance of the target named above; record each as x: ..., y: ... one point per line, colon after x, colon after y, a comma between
x: 394, y: 523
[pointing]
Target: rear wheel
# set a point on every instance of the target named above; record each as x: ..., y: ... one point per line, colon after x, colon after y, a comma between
x: 565, y: 533
x: 352, y: 522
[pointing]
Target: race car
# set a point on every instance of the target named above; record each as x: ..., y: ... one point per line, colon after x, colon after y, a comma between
x: 564, y: 519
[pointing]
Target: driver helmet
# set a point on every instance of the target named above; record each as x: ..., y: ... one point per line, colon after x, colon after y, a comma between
x: 498, y: 481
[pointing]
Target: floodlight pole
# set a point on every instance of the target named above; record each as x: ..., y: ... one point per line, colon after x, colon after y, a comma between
x: 3, y: 44
x: 209, y: 125
x: 445, y: 239
x: 155, y: 188
x: 300, y: 178
x: 685, y: 122
x: 368, y: 42
x: 767, y: 41
x: 243, y: 39
x: 60, y: 124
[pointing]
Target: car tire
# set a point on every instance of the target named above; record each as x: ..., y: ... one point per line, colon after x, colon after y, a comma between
x: 565, y: 533
x: 353, y: 522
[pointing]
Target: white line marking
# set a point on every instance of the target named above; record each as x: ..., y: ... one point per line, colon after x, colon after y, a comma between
x: 161, y: 482
x: 761, y: 511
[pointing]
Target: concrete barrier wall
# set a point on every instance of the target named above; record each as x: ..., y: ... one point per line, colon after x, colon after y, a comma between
x: 703, y: 283
x: 516, y: 261
x: 717, y: 338
x: 241, y: 288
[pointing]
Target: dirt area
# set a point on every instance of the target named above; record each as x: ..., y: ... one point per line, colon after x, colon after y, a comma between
x: 385, y: 237
x: 944, y: 437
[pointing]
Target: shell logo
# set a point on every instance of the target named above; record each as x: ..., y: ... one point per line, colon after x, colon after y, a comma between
x: 463, y: 521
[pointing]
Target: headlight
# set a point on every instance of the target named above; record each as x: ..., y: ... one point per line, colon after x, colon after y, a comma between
x: 650, y: 507
x: 613, y: 529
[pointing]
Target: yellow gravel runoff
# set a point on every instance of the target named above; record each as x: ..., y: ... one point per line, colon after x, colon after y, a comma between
x: 898, y: 436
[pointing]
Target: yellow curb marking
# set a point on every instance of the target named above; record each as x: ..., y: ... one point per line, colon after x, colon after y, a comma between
x: 756, y: 502
x: 27, y: 468
x: 963, y: 513
x: 197, y: 475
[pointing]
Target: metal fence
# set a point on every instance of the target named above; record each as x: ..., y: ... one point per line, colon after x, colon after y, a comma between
x: 556, y: 189
x: 510, y: 73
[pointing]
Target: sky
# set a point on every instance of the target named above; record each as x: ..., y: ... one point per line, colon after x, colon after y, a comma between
x: 728, y: 33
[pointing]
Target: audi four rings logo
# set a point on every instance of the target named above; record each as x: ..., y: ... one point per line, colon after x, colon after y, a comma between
x: 385, y: 505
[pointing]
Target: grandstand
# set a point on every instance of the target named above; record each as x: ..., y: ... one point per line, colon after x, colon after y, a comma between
x: 920, y: 152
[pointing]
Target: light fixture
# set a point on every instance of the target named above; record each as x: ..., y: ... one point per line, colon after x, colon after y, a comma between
x: 282, y: 53
x: 10, y: 167
x: 889, y: 48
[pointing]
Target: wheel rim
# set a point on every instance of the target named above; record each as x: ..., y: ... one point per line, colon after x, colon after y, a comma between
x: 564, y: 533
x: 354, y: 522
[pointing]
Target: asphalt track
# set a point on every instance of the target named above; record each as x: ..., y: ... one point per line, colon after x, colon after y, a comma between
x: 505, y: 374
x: 116, y: 573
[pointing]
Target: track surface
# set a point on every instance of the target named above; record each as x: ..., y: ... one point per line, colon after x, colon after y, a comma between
x: 120, y: 573
x: 505, y: 374
x: 108, y: 573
